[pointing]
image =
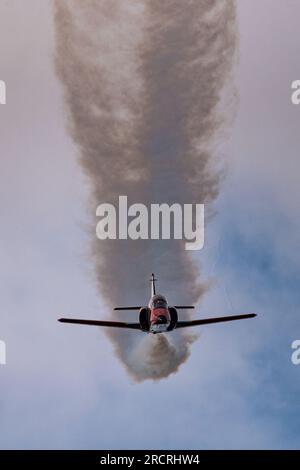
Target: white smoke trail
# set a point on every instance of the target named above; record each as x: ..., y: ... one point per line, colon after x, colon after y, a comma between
x: 142, y: 83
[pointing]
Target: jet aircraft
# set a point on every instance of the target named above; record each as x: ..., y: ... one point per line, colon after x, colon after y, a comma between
x: 157, y: 317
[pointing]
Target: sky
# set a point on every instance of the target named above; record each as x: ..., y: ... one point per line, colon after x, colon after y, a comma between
x: 63, y: 387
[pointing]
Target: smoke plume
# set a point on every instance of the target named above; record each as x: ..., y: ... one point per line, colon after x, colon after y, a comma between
x: 142, y: 84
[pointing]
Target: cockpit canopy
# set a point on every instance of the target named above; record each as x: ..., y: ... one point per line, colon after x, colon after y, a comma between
x: 161, y: 320
x: 158, y: 301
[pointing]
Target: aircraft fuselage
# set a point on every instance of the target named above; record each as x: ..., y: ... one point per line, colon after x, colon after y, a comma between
x: 159, y: 319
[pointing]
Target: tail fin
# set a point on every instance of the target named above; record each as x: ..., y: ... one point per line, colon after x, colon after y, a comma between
x: 152, y: 280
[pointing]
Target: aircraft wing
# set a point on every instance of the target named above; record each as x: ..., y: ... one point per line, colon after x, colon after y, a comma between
x: 113, y: 324
x: 206, y: 321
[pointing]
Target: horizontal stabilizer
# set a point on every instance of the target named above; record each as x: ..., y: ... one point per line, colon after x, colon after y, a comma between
x: 206, y: 321
x: 184, y: 306
x: 112, y: 324
x: 127, y: 308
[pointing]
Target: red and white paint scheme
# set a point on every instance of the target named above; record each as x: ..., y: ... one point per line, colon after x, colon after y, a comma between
x: 160, y: 318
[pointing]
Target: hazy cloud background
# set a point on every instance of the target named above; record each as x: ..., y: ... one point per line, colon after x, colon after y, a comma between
x: 63, y: 387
